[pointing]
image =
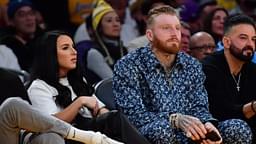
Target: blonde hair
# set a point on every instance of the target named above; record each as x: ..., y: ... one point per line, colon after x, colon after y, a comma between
x: 156, y: 11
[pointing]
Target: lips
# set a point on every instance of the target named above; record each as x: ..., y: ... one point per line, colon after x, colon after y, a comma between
x: 74, y: 60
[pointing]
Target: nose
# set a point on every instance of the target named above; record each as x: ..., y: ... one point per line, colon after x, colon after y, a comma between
x: 222, y: 20
x: 116, y: 23
x: 208, y: 51
x: 74, y: 51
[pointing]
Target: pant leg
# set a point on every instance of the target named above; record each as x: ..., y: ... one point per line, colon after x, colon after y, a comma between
x: 117, y: 126
x: 47, y: 138
x: 16, y: 114
x: 235, y: 131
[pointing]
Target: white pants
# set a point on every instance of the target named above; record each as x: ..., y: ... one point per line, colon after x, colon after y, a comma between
x: 16, y: 114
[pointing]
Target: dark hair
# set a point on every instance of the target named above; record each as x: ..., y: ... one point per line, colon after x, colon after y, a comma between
x: 237, y: 20
x: 207, y: 25
x: 15, y: 5
x: 46, y: 68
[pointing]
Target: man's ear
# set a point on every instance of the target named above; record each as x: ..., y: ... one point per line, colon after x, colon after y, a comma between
x: 226, y: 42
x: 149, y: 34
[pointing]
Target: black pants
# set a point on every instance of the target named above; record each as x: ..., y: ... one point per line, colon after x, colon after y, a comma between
x: 113, y: 124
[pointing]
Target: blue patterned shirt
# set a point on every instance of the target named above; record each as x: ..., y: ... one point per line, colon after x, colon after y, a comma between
x: 148, y: 95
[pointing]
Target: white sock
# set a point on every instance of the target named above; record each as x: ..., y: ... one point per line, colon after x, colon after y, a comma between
x: 80, y: 135
x: 89, y: 137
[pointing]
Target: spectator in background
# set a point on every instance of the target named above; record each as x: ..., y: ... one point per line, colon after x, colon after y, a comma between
x: 185, y: 37
x: 230, y: 74
x: 161, y: 89
x: 247, y: 7
x: 107, y: 47
x: 141, y: 17
x: 128, y: 31
x: 205, y: 7
x: 23, y: 31
x: 8, y: 58
x: 214, y: 25
x: 190, y: 15
x: 201, y: 45
x: 194, y: 13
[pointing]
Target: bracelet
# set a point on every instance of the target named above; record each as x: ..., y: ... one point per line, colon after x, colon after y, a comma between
x: 252, y: 106
x: 174, y: 120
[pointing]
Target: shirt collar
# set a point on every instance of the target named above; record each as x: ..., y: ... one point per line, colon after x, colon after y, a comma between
x: 153, y: 63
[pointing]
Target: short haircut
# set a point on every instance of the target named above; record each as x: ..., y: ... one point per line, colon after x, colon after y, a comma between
x: 165, y: 9
x: 237, y: 19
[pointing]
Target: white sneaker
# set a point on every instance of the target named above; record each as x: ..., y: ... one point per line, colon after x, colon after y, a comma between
x: 100, y: 138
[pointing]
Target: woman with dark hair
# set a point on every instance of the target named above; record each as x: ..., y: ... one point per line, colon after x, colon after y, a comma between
x: 59, y: 89
x: 214, y: 24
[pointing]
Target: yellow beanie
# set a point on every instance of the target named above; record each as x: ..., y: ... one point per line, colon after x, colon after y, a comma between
x: 99, y: 11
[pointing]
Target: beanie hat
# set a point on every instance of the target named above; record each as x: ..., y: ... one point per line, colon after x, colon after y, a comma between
x: 14, y: 5
x: 99, y: 11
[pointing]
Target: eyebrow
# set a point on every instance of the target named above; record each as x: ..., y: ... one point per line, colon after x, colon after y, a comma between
x: 64, y: 45
x: 243, y: 35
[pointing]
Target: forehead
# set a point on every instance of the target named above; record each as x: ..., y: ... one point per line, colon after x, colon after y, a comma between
x: 62, y: 39
x: 202, y: 39
x: 110, y: 14
x: 166, y: 19
x: 220, y: 13
x: 246, y: 29
x: 24, y: 9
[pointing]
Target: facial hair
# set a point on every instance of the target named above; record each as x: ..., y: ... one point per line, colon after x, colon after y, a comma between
x: 163, y: 46
x: 242, y: 54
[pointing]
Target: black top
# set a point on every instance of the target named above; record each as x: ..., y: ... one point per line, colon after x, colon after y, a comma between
x: 225, y: 101
x: 11, y: 86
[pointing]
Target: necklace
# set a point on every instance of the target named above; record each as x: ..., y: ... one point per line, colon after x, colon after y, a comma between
x: 237, y: 81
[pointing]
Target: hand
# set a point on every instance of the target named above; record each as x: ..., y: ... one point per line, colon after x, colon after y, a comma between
x: 88, y: 101
x: 192, y: 126
x: 102, y: 111
x: 91, y: 103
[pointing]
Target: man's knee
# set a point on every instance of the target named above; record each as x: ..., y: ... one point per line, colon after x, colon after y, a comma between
x: 47, y: 138
x: 235, y: 131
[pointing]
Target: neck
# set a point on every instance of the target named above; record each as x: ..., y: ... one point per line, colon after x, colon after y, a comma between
x: 165, y: 59
x: 63, y: 73
x: 23, y: 38
x: 114, y: 41
x: 235, y: 65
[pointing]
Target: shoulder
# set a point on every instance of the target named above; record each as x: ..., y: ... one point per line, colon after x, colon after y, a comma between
x: 133, y: 58
x: 93, y: 52
x: 5, y: 50
x: 188, y: 61
x: 40, y: 85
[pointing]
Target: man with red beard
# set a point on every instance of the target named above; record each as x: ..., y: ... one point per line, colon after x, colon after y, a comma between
x: 161, y: 90
x: 230, y: 74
